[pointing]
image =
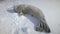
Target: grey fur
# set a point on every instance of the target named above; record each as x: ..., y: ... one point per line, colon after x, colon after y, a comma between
x: 28, y: 9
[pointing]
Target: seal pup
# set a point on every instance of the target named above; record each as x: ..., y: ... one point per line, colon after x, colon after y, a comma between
x: 33, y: 11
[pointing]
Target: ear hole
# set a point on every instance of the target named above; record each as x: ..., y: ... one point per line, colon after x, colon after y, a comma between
x: 40, y: 27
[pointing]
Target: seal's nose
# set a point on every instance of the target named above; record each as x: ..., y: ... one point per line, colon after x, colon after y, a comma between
x: 47, y: 30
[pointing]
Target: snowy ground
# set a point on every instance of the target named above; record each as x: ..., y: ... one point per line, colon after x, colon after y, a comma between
x: 11, y: 23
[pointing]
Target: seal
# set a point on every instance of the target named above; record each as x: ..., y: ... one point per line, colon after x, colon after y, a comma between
x: 33, y: 11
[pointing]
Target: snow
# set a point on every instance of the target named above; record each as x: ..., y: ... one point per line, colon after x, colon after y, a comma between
x: 11, y: 23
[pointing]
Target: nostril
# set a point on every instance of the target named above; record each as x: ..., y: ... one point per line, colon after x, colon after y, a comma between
x: 47, y: 30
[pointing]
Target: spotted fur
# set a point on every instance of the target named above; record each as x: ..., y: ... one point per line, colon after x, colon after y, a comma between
x: 28, y: 9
